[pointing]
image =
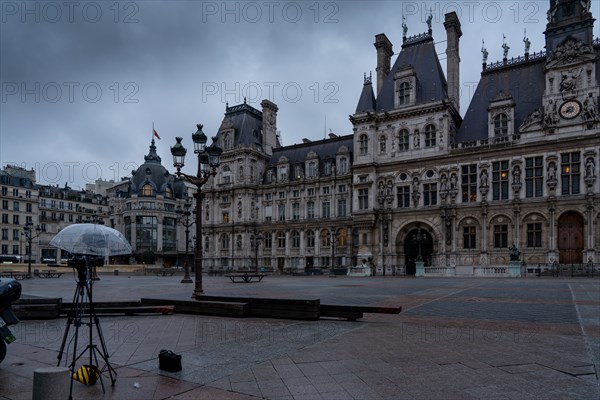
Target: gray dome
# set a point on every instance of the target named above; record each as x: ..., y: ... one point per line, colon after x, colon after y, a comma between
x: 154, y: 174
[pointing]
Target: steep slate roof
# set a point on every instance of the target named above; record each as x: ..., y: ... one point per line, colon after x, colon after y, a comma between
x: 325, y: 149
x: 246, y: 120
x: 367, y: 98
x: 525, y: 83
x: 431, y: 82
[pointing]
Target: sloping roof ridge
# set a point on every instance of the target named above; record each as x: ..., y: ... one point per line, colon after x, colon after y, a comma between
x: 242, y: 107
x: 312, y: 143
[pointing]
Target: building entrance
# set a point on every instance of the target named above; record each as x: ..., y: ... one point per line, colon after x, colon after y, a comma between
x: 570, y: 238
x: 411, y: 249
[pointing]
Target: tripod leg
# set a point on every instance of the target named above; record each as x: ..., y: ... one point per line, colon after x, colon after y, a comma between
x: 70, y: 318
x: 103, y: 350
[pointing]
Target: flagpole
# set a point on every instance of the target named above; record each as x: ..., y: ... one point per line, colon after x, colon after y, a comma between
x: 152, y: 133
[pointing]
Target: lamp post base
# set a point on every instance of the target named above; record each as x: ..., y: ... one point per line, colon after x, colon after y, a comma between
x: 197, y: 293
x: 187, y: 279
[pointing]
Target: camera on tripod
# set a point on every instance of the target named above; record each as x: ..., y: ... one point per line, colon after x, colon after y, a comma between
x: 85, y: 265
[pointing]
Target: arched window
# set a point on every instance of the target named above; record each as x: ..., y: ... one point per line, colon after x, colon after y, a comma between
x: 382, y: 144
x: 325, y: 238
x: 295, y: 239
x: 168, y: 193
x: 501, y: 125
x: 310, y: 238
x: 430, y: 135
x: 404, y: 93
x: 281, y: 240
x: 363, y: 144
x: 342, y: 237
x: 403, y: 140
x: 147, y: 190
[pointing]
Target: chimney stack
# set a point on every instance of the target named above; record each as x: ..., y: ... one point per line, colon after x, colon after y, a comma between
x: 384, y: 56
x: 269, y: 125
x: 453, y: 33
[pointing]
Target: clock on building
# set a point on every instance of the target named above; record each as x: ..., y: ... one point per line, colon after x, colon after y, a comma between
x: 570, y: 109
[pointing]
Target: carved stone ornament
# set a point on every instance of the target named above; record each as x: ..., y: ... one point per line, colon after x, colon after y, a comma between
x: 571, y: 50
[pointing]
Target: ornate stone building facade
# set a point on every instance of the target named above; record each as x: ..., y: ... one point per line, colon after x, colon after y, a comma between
x: 416, y: 180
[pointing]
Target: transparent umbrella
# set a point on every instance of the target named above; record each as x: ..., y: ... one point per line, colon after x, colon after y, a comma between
x: 91, y: 239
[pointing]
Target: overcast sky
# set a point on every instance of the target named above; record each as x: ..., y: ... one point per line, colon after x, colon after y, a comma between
x: 83, y: 82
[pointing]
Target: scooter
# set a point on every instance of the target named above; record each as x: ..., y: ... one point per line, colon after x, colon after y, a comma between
x: 10, y: 291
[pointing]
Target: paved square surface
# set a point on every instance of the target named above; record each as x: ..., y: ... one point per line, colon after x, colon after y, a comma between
x: 533, y: 338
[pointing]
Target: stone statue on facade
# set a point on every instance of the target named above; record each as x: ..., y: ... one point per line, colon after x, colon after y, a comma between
x: 517, y: 174
x: 527, y: 44
x: 505, y: 49
x: 590, y: 109
x: 515, y: 254
x: 483, y: 178
x: 484, y: 53
x: 590, y: 168
x: 404, y: 27
x: 429, y: 18
x: 551, y: 172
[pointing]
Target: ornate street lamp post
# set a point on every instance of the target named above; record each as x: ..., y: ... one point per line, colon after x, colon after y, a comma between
x: 256, y: 238
x: 333, y: 233
x: 209, y: 159
x: 30, y: 234
x: 184, y: 219
x: 385, y: 198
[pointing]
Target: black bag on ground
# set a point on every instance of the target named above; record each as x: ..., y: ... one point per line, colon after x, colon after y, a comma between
x: 169, y: 361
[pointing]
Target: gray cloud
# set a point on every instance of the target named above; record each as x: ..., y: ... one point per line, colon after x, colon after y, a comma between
x: 83, y: 90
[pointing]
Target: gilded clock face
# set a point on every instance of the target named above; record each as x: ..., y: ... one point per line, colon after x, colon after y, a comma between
x: 570, y: 109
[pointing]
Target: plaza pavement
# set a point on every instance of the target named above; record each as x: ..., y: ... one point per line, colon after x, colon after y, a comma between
x: 532, y: 338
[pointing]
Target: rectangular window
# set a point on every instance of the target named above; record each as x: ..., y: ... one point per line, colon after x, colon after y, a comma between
x: 15, y: 206
x: 570, y: 173
x: 311, y: 191
x: 341, y: 212
x: 403, y: 140
x: 326, y: 210
x: 4, y: 234
x: 430, y: 194
x: 16, y: 219
x: 469, y: 183
x: 342, y: 189
x: 4, y: 249
x: 282, y: 195
x: 325, y: 189
x: 469, y: 237
x: 500, y: 236
x: 534, y: 235
x: 363, y: 199
x: 296, y: 193
x: 310, y: 210
x: 281, y: 212
x: 5, y: 204
x: 268, y: 196
x: 296, y: 211
x: 403, y: 196
x: 500, y: 180
x: 534, y: 177
x: 5, y: 218
x: 28, y: 207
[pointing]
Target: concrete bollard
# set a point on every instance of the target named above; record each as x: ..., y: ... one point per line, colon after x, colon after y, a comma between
x: 51, y: 383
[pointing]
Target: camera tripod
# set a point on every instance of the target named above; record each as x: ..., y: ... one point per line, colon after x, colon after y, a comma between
x: 83, y: 313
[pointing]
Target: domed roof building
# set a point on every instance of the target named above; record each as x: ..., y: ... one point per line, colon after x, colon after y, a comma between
x: 144, y: 207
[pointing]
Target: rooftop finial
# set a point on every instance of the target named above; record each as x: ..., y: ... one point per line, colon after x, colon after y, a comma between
x: 429, y: 18
x: 484, y: 51
x: 526, y: 41
x: 505, y: 46
x: 404, y: 28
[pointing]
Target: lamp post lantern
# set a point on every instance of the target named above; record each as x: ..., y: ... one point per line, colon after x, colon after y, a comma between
x: 184, y: 219
x: 30, y: 234
x: 209, y: 159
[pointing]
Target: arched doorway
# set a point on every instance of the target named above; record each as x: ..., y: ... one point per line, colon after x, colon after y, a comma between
x: 411, y: 249
x: 570, y: 238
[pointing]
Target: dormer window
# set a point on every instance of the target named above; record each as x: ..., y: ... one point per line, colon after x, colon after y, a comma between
x: 283, y: 173
x: 312, y: 169
x: 147, y: 190
x: 501, y: 125
x: 404, y: 94
x: 501, y: 117
x: 226, y: 141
